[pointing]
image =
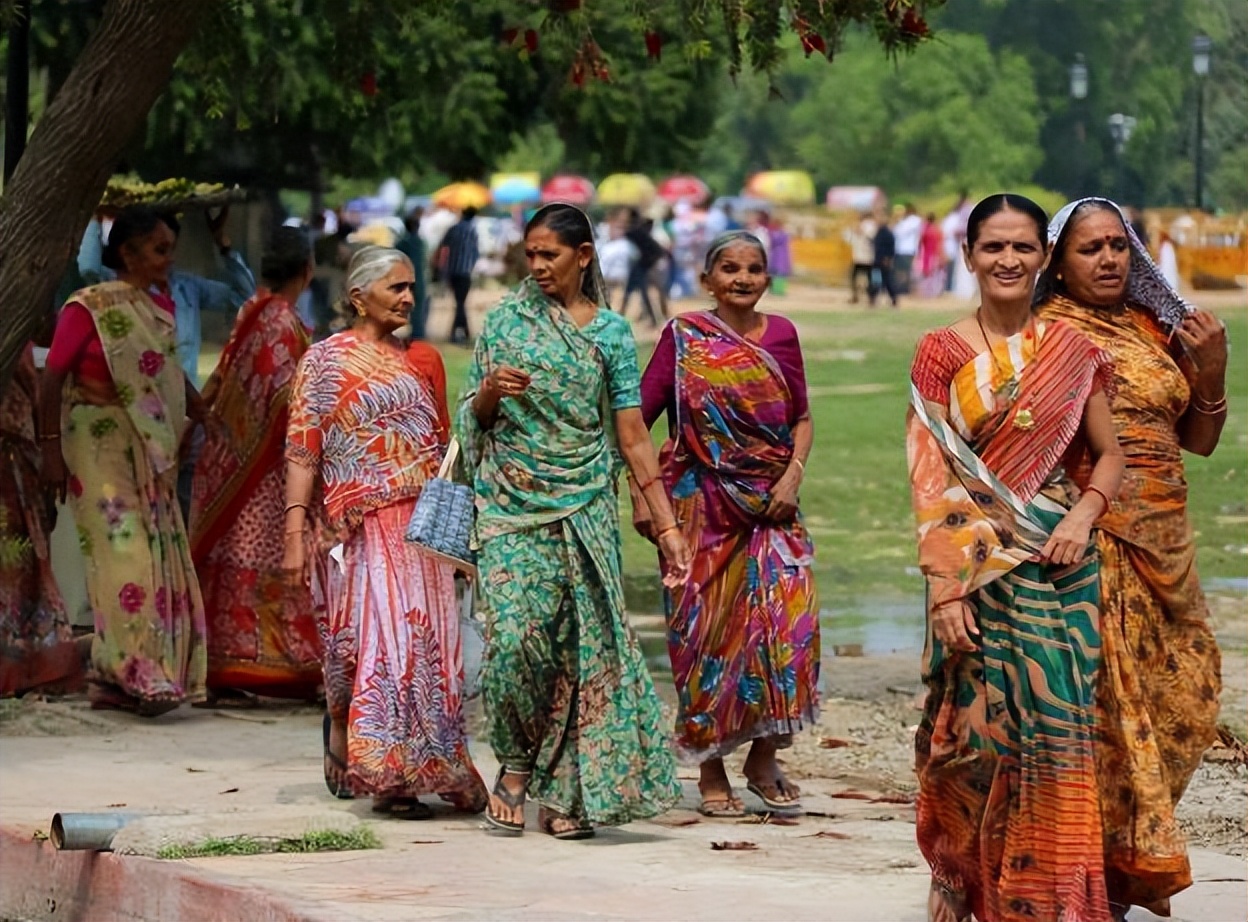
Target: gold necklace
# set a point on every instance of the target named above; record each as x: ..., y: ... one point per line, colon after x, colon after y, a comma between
x: 1007, y: 390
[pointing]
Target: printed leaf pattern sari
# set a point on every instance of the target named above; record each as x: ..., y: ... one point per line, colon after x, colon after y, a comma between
x: 262, y: 636
x: 1007, y: 812
x: 566, y: 689
x: 743, y: 631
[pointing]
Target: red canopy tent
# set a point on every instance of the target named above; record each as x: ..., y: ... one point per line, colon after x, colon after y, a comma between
x: 684, y: 188
x: 568, y: 188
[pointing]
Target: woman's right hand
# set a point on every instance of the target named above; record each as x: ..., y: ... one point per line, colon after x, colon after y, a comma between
x: 508, y: 381
x: 954, y: 626
x: 52, y: 470
x: 676, y: 552
x: 294, y: 561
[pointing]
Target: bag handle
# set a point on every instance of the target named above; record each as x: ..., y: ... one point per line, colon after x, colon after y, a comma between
x: 448, y: 463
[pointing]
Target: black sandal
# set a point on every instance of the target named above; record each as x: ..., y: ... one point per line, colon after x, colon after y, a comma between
x: 340, y: 791
x: 402, y: 808
x: 582, y: 829
x: 495, y: 826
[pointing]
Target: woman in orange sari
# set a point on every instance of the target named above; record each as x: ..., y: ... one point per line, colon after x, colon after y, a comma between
x: 261, y: 635
x: 1012, y: 460
x: 1157, y: 698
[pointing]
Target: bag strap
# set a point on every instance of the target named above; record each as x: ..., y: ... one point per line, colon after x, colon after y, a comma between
x: 448, y: 462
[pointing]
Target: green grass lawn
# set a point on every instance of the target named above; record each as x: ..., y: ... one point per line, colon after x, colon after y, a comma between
x: 856, y: 497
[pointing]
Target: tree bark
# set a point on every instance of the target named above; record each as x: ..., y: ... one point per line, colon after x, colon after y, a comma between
x: 59, y: 181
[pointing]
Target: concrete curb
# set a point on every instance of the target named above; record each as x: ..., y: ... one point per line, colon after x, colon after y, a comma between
x: 40, y: 884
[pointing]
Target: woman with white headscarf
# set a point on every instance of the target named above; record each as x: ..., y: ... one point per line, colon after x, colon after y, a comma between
x: 365, y: 431
x: 1157, y: 692
x: 552, y: 408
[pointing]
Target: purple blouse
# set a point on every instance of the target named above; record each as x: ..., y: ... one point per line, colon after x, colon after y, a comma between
x: 779, y: 340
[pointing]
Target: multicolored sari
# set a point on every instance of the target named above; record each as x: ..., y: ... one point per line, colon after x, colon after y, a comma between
x: 262, y: 635
x: 36, y: 643
x: 1008, y: 811
x: 363, y: 418
x: 743, y: 632
x: 1157, y: 697
x: 565, y: 684
x: 149, y: 648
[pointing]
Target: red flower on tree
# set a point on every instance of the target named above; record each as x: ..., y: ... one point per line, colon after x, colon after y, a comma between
x: 654, y: 45
x: 368, y: 84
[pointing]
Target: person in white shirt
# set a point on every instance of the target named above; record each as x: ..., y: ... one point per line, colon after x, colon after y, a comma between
x: 907, y: 231
x: 861, y: 239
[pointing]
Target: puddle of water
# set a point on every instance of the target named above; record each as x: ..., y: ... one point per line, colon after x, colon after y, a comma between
x: 1237, y: 584
x: 874, y: 628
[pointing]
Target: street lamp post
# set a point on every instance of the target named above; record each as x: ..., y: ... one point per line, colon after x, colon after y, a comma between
x: 1202, y: 52
x: 1120, y: 128
x: 1079, y: 92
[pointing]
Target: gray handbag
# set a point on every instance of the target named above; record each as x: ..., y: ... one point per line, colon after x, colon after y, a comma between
x: 442, y: 521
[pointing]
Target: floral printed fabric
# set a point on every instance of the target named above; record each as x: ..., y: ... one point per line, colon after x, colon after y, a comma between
x: 149, y: 644
x: 137, y: 337
x: 565, y: 685
x: 262, y: 635
x: 149, y: 651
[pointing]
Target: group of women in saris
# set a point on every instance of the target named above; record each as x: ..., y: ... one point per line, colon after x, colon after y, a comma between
x: 1072, y: 676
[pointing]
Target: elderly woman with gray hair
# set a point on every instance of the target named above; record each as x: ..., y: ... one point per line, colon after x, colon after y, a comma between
x: 364, y: 431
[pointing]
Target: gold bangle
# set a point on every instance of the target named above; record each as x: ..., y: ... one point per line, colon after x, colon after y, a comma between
x: 661, y: 532
x: 1093, y: 488
x: 800, y: 466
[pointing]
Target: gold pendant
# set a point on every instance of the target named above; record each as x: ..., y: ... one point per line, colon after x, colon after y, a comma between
x: 1024, y: 420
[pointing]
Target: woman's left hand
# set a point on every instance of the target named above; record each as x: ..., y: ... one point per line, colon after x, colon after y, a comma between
x: 783, y: 505
x: 676, y: 552
x: 1204, y: 340
x: 1069, y: 541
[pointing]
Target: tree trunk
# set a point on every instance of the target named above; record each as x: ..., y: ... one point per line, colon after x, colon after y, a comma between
x: 59, y: 181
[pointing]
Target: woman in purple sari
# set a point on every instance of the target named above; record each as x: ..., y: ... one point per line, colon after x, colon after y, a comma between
x: 743, y: 631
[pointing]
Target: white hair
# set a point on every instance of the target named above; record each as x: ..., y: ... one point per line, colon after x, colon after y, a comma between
x: 370, y: 264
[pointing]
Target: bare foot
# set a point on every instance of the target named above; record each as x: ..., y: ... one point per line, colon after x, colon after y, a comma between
x: 944, y: 905
x: 336, y: 758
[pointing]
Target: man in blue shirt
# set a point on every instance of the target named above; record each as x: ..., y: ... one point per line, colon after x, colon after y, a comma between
x: 191, y: 294
x: 459, y: 252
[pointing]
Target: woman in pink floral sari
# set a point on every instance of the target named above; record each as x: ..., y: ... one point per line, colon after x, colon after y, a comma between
x: 261, y: 634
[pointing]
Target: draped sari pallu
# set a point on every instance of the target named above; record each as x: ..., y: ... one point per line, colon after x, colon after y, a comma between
x: 122, y: 460
x: 743, y: 631
x: 1008, y: 809
x: 566, y: 690
x: 1161, y: 670
x: 262, y: 635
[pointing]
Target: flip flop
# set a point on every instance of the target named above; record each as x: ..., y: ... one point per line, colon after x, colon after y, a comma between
x: 402, y: 808
x: 229, y: 699
x: 729, y: 807
x: 494, y: 825
x: 582, y: 829
x: 767, y: 795
x: 340, y: 791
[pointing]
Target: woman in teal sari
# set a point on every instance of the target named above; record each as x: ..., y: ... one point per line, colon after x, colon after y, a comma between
x: 553, y: 395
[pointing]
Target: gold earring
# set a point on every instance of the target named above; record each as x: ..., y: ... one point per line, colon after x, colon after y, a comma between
x: 1059, y: 276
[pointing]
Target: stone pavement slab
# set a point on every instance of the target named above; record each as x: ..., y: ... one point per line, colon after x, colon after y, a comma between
x: 857, y: 862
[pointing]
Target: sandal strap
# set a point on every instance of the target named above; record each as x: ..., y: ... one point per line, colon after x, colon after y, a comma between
x: 507, y: 796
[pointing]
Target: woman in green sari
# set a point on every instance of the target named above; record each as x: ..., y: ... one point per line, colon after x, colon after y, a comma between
x: 553, y: 403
